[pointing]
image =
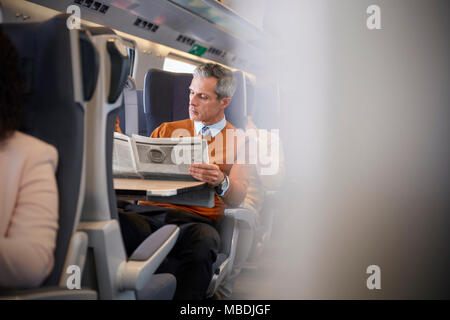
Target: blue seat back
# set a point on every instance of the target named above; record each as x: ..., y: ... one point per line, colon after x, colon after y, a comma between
x: 166, y: 97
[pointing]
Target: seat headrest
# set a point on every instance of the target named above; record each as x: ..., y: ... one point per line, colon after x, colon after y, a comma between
x: 120, y: 68
x: 90, y: 65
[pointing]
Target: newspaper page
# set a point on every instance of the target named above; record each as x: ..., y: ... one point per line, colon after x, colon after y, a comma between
x: 168, y: 157
x: 124, y: 164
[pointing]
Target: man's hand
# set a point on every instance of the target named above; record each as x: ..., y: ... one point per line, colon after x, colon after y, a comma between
x: 209, y: 173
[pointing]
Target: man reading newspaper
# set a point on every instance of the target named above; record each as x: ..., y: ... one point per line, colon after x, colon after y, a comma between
x: 191, y: 259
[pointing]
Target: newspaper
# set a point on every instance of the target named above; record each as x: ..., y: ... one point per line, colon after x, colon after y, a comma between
x: 124, y: 162
x: 169, y: 158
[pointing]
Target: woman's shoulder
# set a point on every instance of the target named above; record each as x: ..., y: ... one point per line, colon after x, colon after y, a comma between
x: 32, y: 147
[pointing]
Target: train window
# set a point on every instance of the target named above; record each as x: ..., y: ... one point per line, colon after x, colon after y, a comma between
x: 174, y: 65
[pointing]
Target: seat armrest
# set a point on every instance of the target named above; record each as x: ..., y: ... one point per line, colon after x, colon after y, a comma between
x: 137, y: 271
x: 50, y: 293
x: 242, y: 215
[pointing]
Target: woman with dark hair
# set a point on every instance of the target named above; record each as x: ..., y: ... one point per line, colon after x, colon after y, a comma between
x: 28, y: 190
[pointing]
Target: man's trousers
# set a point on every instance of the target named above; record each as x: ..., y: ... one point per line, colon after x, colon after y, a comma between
x: 196, y: 249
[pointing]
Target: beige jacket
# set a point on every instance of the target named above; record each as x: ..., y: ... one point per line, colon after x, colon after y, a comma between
x: 28, y: 211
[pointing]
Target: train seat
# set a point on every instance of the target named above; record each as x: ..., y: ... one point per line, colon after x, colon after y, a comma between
x: 109, y: 270
x: 55, y: 113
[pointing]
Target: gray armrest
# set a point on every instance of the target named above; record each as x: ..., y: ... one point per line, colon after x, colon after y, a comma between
x: 137, y: 271
x: 50, y: 293
x: 242, y: 215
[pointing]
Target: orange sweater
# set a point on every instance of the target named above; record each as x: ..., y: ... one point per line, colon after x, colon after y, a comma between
x: 237, y: 173
x: 117, y: 126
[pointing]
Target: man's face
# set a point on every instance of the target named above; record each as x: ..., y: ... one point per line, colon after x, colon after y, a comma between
x: 203, y: 103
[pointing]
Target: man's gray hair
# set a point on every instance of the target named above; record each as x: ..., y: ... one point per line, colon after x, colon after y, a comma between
x: 226, y: 84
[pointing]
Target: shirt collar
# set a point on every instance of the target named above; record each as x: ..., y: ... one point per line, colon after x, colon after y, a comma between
x: 214, y: 128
